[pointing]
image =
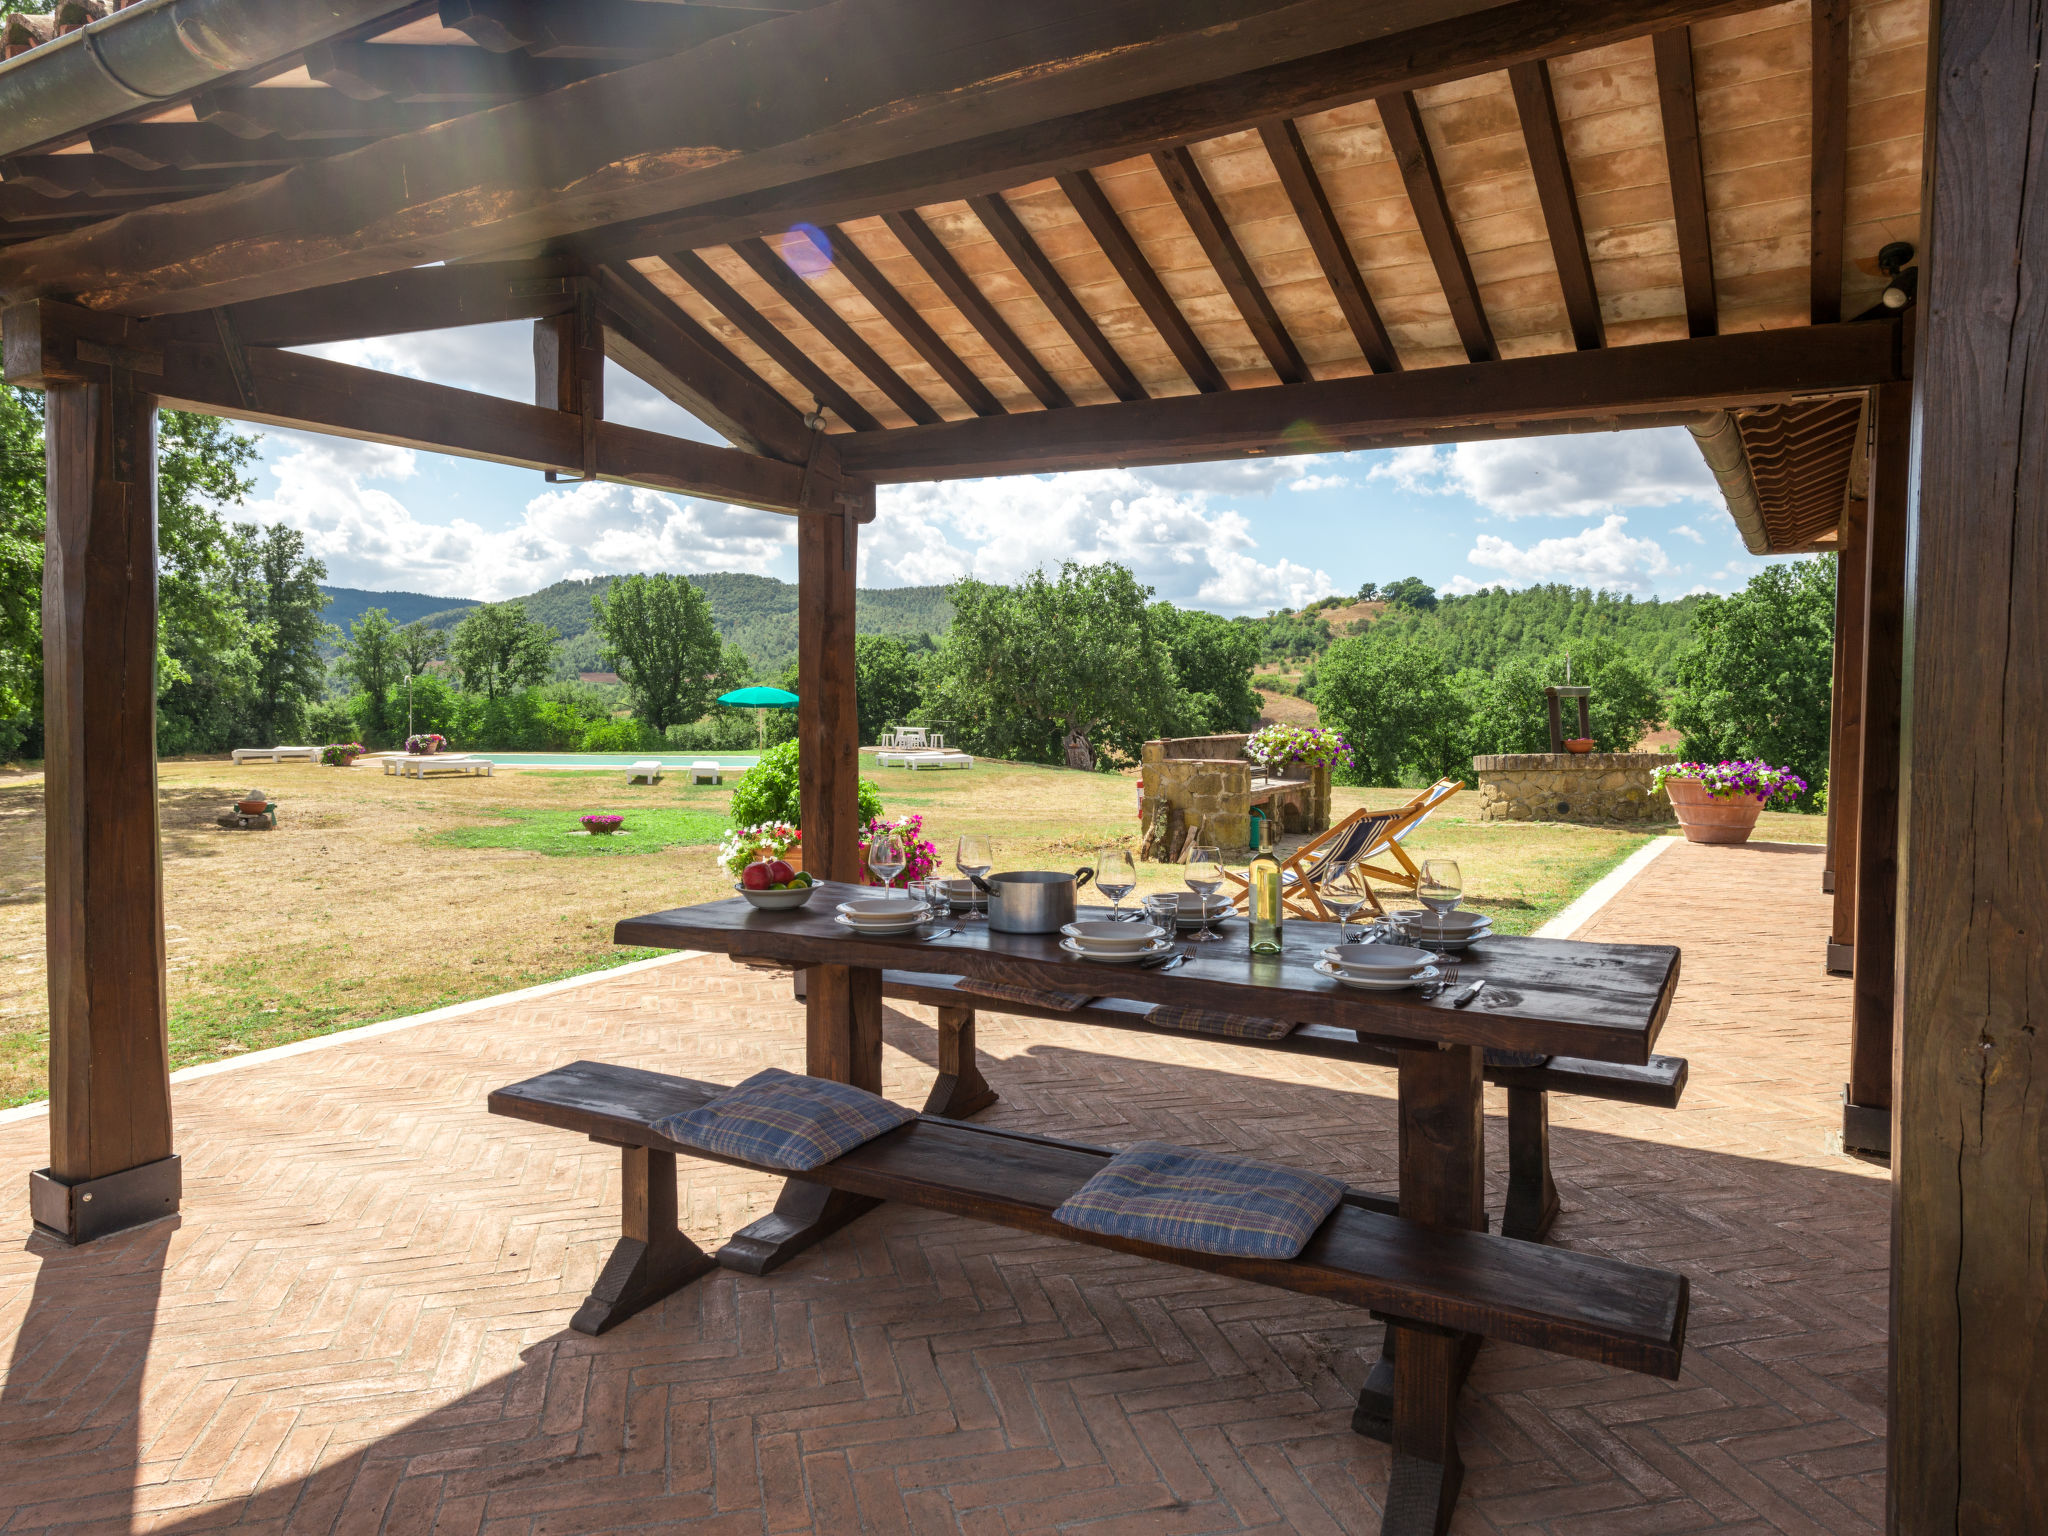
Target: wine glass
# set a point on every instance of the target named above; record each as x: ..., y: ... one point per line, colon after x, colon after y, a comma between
x: 974, y: 857
x: 1116, y: 876
x: 1344, y: 893
x: 1204, y: 876
x: 1441, y: 886
x: 886, y: 857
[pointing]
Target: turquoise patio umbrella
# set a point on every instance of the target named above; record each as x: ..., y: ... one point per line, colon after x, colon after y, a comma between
x: 761, y: 700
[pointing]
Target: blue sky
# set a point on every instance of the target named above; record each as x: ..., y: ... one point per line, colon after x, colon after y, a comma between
x: 1632, y: 512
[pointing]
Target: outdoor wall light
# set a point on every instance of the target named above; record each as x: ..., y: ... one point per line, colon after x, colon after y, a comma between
x: 1893, y: 261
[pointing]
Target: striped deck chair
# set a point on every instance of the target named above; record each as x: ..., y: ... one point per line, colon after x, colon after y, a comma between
x: 1361, y: 836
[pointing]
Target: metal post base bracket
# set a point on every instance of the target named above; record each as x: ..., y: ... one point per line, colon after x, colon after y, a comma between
x: 78, y: 1213
x: 1866, y: 1128
x: 1841, y: 959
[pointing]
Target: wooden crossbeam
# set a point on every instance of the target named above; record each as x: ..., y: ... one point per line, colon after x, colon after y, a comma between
x: 1409, y: 140
x: 1219, y: 243
x: 1830, y: 156
x: 852, y: 263
x: 424, y: 299
x: 1036, y: 268
x: 1102, y: 221
x: 404, y: 73
x: 203, y: 146
x: 1654, y: 383
x: 930, y: 253
x: 1673, y: 52
x: 104, y: 176
x: 647, y: 335
x: 589, y: 29
x: 755, y: 326
x: 1552, y: 169
x: 256, y: 114
x: 775, y: 271
x: 1304, y: 189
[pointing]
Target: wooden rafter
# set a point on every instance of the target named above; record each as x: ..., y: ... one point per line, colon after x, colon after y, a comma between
x: 1830, y: 155
x: 1409, y: 140
x: 815, y: 312
x: 1612, y: 387
x: 1551, y: 167
x: 1199, y: 207
x: 930, y: 253
x: 202, y: 146
x: 423, y: 299
x: 1015, y: 242
x: 1675, y: 101
x: 405, y: 74
x: 852, y: 264
x: 752, y: 324
x: 1108, y: 229
x: 1304, y: 189
x: 255, y: 114
x: 589, y: 29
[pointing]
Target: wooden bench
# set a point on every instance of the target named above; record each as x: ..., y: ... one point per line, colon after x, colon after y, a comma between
x: 1532, y: 1193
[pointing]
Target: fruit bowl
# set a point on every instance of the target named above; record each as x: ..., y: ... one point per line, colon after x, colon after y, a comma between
x: 778, y: 901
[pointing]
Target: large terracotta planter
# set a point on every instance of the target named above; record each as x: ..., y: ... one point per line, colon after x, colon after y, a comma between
x: 1710, y: 818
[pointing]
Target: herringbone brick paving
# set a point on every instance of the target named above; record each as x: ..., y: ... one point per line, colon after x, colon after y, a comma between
x: 358, y: 1325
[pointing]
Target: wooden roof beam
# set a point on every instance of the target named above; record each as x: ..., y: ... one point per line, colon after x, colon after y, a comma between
x: 852, y: 264
x: 1199, y: 207
x: 406, y: 73
x: 1085, y: 194
x: 1409, y: 140
x: 1552, y: 168
x: 1032, y: 264
x: 590, y: 29
x: 1830, y: 156
x: 930, y: 253
x: 1623, y: 386
x: 202, y: 146
x: 775, y: 271
x: 1673, y: 51
x: 424, y: 299
x: 1304, y: 189
x: 314, y: 114
x: 755, y: 326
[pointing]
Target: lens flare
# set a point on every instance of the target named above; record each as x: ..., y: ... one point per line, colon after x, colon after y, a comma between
x: 1306, y: 437
x: 810, y: 253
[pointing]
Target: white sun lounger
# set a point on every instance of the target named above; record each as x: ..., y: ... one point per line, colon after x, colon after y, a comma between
x: 276, y: 754
x: 420, y: 767
x: 892, y: 757
x: 705, y: 771
x: 916, y: 760
x: 646, y: 771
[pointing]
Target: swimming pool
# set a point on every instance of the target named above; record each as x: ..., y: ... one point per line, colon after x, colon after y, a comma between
x: 671, y: 762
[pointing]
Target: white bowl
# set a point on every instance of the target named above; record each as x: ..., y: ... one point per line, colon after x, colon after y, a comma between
x: 1160, y: 946
x: 961, y: 893
x: 880, y: 914
x: 1452, y: 922
x: 1366, y: 982
x: 778, y: 901
x: 1378, y: 959
x: 1114, y: 938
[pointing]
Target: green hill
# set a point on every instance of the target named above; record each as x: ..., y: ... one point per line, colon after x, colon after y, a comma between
x: 347, y: 604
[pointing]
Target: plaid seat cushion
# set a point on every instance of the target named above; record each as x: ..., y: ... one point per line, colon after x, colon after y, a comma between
x: 776, y: 1119
x: 1211, y: 1021
x: 1030, y: 997
x: 1203, y: 1202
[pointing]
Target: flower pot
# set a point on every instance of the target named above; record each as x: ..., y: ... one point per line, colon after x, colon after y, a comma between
x: 1710, y: 818
x: 1579, y: 744
x: 252, y: 807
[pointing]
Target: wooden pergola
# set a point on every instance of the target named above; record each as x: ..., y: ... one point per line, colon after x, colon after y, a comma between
x: 874, y: 241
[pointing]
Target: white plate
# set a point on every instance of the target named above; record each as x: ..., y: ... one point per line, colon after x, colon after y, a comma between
x: 1375, y: 983
x: 1110, y: 938
x: 1450, y: 922
x: 1378, y: 959
x: 880, y: 930
x: 1119, y: 957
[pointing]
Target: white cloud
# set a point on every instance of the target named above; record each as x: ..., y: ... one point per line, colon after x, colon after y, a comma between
x: 369, y: 537
x: 1314, y: 482
x: 1587, y: 475
x: 1602, y: 556
x: 999, y: 530
x: 1690, y: 532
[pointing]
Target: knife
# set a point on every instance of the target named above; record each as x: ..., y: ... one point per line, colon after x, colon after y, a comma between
x: 1468, y: 994
x: 1163, y: 963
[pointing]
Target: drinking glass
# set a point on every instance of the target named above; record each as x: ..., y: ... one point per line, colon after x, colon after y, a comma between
x: 974, y: 857
x: 1344, y: 893
x: 1116, y: 876
x: 886, y: 857
x: 1441, y: 887
x: 1204, y: 876
x: 1163, y: 907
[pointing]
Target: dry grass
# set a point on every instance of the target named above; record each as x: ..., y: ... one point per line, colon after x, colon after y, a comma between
x: 353, y: 911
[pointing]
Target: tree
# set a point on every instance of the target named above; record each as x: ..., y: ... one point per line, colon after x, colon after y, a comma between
x: 1756, y: 680
x: 370, y: 660
x: 280, y: 591
x: 1048, y: 669
x: 21, y: 560
x: 1409, y: 592
x: 888, y: 682
x: 658, y: 636
x: 418, y: 647
x: 1394, y: 699
x: 1212, y: 659
x: 498, y: 649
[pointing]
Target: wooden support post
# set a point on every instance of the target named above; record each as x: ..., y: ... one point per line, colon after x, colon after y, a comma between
x: 568, y: 370
x: 959, y: 1090
x: 1845, y: 746
x: 652, y: 1259
x: 1968, y: 1397
x: 1532, y: 1192
x: 1867, y: 1100
x: 843, y: 1004
x: 111, y: 1164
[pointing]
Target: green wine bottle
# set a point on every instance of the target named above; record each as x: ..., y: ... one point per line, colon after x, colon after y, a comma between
x: 1263, y: 875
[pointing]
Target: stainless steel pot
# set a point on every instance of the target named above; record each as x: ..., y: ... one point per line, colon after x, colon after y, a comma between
x: 1032, y: 900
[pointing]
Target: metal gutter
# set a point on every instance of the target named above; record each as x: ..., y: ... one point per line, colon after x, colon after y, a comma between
x: 154, y: 53
x: 1720, y: 443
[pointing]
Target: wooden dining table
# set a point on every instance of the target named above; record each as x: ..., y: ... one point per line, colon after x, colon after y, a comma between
x: 1555, y: 997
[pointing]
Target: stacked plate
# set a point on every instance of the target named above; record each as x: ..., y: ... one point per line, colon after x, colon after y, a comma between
x: 1377, y: 967
x: 880, y: 916
x: 1443, y: 930
x: 1219, y: 907
x: 961, y: 896
x: 1115, y: 943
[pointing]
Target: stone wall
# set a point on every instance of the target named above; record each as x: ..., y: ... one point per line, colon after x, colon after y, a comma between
x: 1599, y: 787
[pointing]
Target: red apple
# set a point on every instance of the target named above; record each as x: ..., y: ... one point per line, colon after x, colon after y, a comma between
x: 758, y: 876
x: 780, y: 872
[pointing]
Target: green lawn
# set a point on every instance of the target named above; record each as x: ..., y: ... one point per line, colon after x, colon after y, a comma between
x: 645, y: 830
